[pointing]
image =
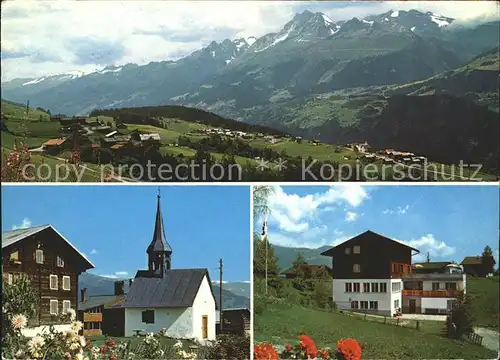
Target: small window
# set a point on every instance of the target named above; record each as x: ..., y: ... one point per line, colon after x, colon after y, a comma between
x: 9, y: 279
x: 356, y: 268
x: 451, y: 286
x: 396, y: 304
x: 366, y: 287
x: 148, y: 316
x: 396, y: 287
x: 348, y: 287
x: 39, y: 256
x: 373, y: 305
x: 60, y: 262
x: 356, y: 249
x: 363, y: 304
x: 66, y: 306
x: 354, y: 305
x: 54, y: 305
x: 347, y: 251
x: 374, y: 287
x: 435, y: 286
x: 356, y: 287
x: 14, y: 256
x: 66, y: 283
x: 383, y: 287
x: 53, y: 282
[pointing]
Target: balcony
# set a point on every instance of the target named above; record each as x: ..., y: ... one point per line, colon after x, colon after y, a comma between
x: 430, y: 293
x: 92, y: 317
x: 399, y: 270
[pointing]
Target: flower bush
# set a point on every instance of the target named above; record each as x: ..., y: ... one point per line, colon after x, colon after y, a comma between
x: 348, y: 349
x: 14, y: 164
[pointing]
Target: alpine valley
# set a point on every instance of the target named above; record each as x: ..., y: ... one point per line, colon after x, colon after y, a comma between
x: 410, y: 80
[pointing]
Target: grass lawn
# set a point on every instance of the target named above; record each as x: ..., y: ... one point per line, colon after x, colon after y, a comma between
x: 281, y: 324
x: 485, y: 300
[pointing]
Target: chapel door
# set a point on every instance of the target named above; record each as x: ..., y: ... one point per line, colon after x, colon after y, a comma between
x: 204, y: 326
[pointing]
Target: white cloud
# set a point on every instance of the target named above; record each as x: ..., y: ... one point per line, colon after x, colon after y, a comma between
x: 110, y: 276
x: 351, y: 216
x: 428, y: 243
x: 303, y: 241
x: 121, y: 273
x: 218, y: 282
x: 144, y: 31
x: 93, y: 251
x: 398, y: 211
x: 25, y: 224
x: 294, y: 213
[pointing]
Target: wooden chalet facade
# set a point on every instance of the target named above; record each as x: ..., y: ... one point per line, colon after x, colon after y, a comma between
x: 236, y: 321
x: 103, y: 314
x: 52, y: 264
x: 370, y: 255
x: 473, y: 266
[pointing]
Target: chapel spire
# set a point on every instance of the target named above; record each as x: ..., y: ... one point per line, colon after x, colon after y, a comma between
x: 159, y: 250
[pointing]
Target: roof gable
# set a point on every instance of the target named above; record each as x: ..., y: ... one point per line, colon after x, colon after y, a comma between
x: 11, y: 237
x: 177, y: 288
x: 330, y: 251
x: 471, y: 260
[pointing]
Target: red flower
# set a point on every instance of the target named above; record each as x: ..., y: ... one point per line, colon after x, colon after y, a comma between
x: 349, y: 349
x: 323, y: 354
x: 264, y: 352
x: 110, y: 342
x: 308, y: 345
x: 288, y: 347
x: 104, y: 349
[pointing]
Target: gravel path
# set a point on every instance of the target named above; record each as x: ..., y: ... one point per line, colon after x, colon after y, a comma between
x: 490, y: 338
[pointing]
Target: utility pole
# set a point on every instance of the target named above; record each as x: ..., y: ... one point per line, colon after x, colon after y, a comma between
x: 220, y: 296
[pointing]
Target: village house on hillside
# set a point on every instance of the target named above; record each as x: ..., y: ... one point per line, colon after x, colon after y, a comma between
x: 181, y: 301
x: 473, y: 265
x: 387, y: 282
x: 53, y: 265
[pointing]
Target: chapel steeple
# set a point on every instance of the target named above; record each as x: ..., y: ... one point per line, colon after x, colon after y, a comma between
x: 159, y: 251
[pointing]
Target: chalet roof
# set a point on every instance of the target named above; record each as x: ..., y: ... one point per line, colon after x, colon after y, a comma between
x: 432, y: 265
x: 471, y: 260
x: 54, y: 142
x: 100, y: 300
x: 177, y: 288
x: 330, y: 251
x: 11, y: 237
x: 159, y: 242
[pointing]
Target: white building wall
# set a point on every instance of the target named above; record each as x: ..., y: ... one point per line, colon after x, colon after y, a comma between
x: 177, y: 321
x: 385, y: 300
x: 434, y: 303
x: 204, y: 304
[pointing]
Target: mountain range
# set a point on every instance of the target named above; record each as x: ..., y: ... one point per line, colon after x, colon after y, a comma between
x: 337, y: 81
x: 234, y: 294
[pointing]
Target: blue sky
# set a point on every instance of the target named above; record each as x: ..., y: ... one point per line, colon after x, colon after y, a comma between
x: 449, y: 222
x: 41, y: 38
x: 113, y: 225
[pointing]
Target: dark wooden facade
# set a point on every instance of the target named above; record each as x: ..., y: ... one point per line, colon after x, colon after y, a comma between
x: 236, y: 321
x: 370, y: 256
x: 19, y: 258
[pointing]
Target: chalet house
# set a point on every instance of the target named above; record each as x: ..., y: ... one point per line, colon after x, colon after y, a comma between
x: 387, y: 281
x: 473, y: 266
x: 180, y: 300
x: 316, y: 271
x: 54, y: 145
x: 236, y: 321
x: 103, y: 314
x: 51, y: 262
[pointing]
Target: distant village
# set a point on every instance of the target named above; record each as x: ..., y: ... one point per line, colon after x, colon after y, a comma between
x: 119, y: 141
